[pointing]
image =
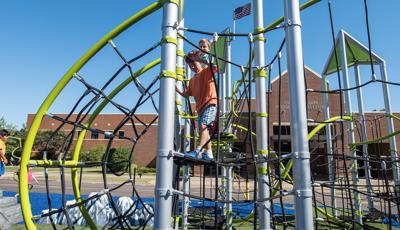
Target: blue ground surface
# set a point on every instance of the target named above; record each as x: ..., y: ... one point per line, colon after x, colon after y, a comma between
x: 39, y: 203
x: 39, y: 200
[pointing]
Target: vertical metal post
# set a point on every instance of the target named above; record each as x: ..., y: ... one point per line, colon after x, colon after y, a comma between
x: 261, y: 113
x: 180, y: 77
x: 328, y: 134
x: 223, y: 94
x: 163, y: 196
x: 228, y: 76
x: 390, y: 127
x: 223, y: 185
x: 228, y: 90
x: 180, y: 66
x: 364, y: 136
x: 224, y: 188
x: 300, y: 149
x: 349, y: 112
x: 186, y: 168
x: 229, y: 217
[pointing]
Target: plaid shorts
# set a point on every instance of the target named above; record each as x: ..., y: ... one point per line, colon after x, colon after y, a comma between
x: 208, y: 115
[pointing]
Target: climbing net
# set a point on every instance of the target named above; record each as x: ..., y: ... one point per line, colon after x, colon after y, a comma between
x: 103, y: 207
x: 223, y: 192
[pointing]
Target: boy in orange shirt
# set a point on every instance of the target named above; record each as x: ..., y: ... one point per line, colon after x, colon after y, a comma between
x: 3, y: 160
x: 202, y: 88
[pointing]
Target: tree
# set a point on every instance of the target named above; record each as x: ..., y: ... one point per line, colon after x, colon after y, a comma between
x: 50, y: 141
x: 15, y: 140
x: 5, y: 125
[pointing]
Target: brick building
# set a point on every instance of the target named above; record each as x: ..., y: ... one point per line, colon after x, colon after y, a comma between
x: 376, y: 125
x: 146, y: 147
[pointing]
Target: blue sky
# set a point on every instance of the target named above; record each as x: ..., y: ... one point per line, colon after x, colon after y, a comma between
x: 42, y: 39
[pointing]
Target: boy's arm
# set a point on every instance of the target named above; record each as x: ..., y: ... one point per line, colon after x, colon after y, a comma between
x: 183, y: 94
x: 3, y: 156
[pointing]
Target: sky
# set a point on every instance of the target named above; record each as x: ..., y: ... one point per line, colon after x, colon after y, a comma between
x: 41, y: 40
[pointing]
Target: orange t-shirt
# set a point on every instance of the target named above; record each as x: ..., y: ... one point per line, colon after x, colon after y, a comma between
x: 202, y: 88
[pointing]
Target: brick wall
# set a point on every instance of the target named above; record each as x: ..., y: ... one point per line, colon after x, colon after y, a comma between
x: 146, y: 147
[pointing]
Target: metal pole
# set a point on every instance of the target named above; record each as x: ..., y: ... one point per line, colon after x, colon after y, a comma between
x: 223, y: 89
x: 390, y: 127
x: 300, y: 149
x: 364, y: 137
x: 261, y: 113
x: 180, y: 66
x: 178, y: 137
x: 328, y: 134
x: 163, y: 191
x: 349, y: 112
x: 186, y: 172
x: 224, y: 188
x: 228, y: 78
x: 229, y: 217
x: 224, y: 168
x: 228, y: 90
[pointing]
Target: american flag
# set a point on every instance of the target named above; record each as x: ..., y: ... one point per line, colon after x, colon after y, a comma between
x: 242, y: 11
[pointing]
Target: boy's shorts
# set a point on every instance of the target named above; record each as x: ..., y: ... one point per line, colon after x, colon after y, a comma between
x: 2, y: 169
x: 208, y: 115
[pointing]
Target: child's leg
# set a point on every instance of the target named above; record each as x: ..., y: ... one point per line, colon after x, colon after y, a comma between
x: 208, y: 147
x: 204, y: 136
x: 205, y: 119
x: 208, y: 119
x: 29, y: 176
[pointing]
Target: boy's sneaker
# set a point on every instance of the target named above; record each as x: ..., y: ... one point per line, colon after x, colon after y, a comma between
x: 208, y: 157
x: 192, y: 154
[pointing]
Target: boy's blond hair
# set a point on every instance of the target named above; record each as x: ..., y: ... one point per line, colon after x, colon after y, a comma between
x: 205, y: 41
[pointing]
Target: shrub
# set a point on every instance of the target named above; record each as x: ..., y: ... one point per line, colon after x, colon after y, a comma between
x: 94, y: 154
x: 119, y: 160
x: 51, y: 142
x: 146, y: 170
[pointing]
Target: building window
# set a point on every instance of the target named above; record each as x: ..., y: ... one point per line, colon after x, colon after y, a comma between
x: 95, y: 135
x: 121, y: 134
x: 284, y: 130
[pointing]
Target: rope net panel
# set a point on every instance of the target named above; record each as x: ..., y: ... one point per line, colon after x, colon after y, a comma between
x: 222, y: 193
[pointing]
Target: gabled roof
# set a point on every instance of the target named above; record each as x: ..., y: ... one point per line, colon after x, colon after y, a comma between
x: 355, y: 52
x: 305, y: 67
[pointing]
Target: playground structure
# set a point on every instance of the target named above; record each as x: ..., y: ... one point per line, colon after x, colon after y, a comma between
x: 335, y: 203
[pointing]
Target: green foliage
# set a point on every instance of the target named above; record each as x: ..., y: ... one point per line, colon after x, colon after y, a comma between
x: 94, y: 154
x: 5, y: 125
x: 50, y: 141
x: 146, y: 170
x: 119, y: 160
x: 15, y: 140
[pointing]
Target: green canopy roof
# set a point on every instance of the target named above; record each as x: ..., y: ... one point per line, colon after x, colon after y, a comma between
x: 221, y: 46
x: 355, y: 53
